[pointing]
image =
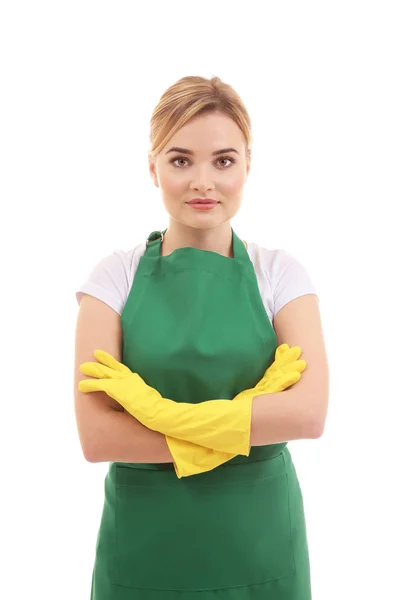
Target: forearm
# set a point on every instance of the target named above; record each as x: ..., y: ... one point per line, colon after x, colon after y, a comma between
x: 118, y: 437
x: 281, y: 417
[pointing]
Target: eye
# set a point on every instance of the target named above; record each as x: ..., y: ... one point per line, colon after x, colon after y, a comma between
x: 174, y: 160
x: 227, y: 158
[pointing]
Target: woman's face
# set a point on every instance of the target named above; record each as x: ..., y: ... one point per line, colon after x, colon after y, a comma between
x: 198, y: 173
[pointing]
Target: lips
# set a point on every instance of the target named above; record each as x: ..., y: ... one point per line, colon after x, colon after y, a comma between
x: 203, y: 201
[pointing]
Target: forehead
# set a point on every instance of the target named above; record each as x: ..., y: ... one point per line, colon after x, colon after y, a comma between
x: 210, y: 131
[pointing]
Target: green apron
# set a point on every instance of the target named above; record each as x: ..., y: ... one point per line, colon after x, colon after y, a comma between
x: 195, y: 328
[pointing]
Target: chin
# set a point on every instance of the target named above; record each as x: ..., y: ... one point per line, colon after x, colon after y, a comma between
x: 210, y: 224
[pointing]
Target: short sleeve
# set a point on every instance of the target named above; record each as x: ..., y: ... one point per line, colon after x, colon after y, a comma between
x: 108, y: 281
x: 289, y: 279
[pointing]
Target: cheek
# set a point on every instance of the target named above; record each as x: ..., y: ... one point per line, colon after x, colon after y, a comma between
x: 234, y: 184
x: 171, y: 183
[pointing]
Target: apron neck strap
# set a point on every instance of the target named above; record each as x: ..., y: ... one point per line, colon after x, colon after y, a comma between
x: 153, y: 246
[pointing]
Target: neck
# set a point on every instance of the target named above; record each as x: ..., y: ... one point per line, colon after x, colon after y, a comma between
x: 217, y: 239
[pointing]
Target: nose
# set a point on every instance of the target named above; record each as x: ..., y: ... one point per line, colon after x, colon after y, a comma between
x: 202, y: 180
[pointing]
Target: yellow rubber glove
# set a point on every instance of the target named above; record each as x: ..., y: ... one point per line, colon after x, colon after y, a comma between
x: 221, y: 425
x: 192, y: 459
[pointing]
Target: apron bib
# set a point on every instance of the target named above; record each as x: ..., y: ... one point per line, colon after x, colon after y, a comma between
x: 195, y: 328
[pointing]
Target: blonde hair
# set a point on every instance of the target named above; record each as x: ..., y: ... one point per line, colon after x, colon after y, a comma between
x: 192, y: 96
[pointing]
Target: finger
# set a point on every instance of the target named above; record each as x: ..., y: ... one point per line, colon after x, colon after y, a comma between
x: 296, y: 351
x: 291, y: 379
x: 287, y: 362
x: 90, y: 385
x: 285, y: 354
x: 281, y: 350
x: 286, y: 382
x: 298, y: 366
x: 292, y: 354
x: 109, y: 361
x: 279, y: 384
x: 93, y: 369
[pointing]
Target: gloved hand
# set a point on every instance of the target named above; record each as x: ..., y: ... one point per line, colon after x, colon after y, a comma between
x: 192, y: 459
x: 221, y: 425
x: 218, y: 424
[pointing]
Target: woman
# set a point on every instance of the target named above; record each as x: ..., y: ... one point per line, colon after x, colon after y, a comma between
x: 199, y: 314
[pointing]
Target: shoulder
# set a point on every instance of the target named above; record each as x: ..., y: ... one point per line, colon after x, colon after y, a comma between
x: 284, y: 274
x: 111, y: 277
x: 275, y: 260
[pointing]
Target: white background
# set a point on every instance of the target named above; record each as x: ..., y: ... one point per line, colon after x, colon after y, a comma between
x: 79, y: 81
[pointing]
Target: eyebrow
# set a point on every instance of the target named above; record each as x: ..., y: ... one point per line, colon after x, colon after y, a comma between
x: 185, y: 151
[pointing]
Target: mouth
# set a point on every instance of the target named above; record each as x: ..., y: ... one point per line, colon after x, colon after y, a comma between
x: 200, y: 204
x: 203, y: 201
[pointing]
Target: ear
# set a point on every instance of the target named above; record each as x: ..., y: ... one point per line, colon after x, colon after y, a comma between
x: 247, y: 169
x: 248, y: 161
x: 152, y: 169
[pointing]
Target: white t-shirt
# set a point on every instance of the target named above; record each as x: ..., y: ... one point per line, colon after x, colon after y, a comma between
x: 281, y: 277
